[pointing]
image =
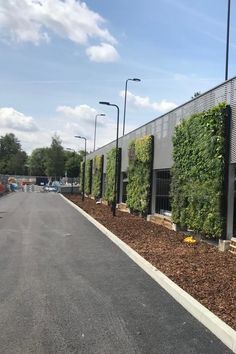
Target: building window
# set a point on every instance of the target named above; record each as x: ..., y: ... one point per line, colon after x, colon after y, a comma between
x: 163, y: 192
x: 124, y: 187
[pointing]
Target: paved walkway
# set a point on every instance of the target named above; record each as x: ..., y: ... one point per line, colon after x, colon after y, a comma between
x: 66, y: 288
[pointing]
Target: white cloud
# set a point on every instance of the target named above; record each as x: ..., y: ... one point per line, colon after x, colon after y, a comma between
x: 25, y: 129
x: 82, y: 113
x: 145, y: 102
x: 34, y: 20
x: 78, y: 120
x: 102, y: 53
x: 10, y: 118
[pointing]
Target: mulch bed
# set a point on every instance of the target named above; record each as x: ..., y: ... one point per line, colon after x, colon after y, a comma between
x: 200, y: 269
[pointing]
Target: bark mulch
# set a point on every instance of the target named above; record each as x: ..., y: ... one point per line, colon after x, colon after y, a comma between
x: 200, y: 269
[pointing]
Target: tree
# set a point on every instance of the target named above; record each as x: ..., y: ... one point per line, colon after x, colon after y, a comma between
x: 17, y: 163
x: 12, y: 158
x: 55, y: 158
x: 37, y: 162
x: 72, y: 163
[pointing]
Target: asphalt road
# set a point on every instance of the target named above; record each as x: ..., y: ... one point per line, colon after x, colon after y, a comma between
x: 66, y: 288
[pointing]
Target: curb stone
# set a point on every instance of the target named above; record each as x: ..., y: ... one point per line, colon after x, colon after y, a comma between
x: 219, y: 328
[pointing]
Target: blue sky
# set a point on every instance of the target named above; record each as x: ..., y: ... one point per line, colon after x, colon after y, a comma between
x: 60, y: 58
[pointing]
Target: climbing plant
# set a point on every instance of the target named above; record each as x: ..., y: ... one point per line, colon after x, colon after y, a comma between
x: 110, y: 173
x: 97, y: 176
x: 82, y: 175
x: 88, y: 177
x: 140, y: 174
x: 197, y: 186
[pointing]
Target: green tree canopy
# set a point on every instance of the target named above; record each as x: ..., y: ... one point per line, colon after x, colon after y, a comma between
x: 12, y: 157
x: 37, y: 162
x: 17, y: 163
x: 72, y: 163
x: 55, y: 165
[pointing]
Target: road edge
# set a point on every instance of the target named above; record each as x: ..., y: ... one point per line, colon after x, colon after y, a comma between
x: 220, y: 329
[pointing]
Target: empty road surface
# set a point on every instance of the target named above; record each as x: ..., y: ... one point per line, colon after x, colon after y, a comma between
x: 66, y: 288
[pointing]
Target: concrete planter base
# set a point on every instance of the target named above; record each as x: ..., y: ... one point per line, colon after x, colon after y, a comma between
x: 224, y: 245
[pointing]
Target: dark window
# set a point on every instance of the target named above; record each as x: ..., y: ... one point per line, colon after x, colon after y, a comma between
x: 162, y: 191
x: 124, y: 186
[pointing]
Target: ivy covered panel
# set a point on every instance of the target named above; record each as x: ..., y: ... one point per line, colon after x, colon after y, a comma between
x: 110, y: 173
x: 82, y: 175
x: 140, y: 174
x: 197, y: 186
x: 88, y: 177
x: 97, y: 176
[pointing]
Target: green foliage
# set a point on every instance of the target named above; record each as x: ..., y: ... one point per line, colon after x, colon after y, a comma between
x: 37, y: 162
x: 55, y: 158
x: 72, y: 163
x: 110, y: 173
x: 88, y: 176
x: 97, y: 176
x: 139, y: 174
x: 13, y: 160
x: 198, y: 171
x: 17, y: 164
x: 82, y: 175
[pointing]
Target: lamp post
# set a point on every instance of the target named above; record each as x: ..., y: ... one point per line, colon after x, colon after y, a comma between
x: 126, y: 84
x: 95, y: 128
x: 85, y: 147
x: 227, y: 42
x: 116, y: 162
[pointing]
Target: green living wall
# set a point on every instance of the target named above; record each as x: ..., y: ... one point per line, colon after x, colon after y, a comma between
x: 110, y: 173
x: 198, y: 175
x: 82, y: 175
x: 88, y: 177
x: 97, y: 176
x: 140, y: 174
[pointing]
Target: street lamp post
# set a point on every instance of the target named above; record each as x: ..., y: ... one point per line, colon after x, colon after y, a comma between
x: 116, y: 161
x: 126, y: 84
x: 85, y: 148
x: 227, y: 42
x: 95, y: 128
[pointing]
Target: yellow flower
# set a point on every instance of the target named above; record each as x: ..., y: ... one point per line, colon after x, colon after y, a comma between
x: 190, y: 240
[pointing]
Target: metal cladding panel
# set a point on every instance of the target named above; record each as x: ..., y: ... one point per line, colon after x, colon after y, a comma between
x: 233, y: 122
x: 162, y: 128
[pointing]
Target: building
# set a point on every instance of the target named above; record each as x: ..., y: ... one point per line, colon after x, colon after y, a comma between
x: 162, y: 129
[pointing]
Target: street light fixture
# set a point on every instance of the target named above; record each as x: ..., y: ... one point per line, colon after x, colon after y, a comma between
x: 85, y: 148
x: 116, y: 162
x: 227, y: 42
x: 95, y: 128
x: 126, y: 84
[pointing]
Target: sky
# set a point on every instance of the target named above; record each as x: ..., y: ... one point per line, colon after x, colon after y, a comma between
x: 59, y: 58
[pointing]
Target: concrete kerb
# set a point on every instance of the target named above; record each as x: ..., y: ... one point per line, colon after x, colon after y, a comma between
x: 221, y: 330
